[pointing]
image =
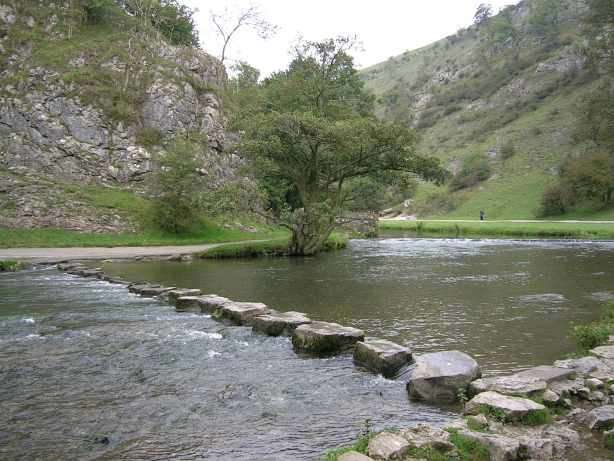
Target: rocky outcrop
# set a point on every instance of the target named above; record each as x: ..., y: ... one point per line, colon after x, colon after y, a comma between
x: 439, y: 376
x: 58, y: 128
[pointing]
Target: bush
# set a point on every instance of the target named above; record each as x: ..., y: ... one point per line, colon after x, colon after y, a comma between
x: 149, y: 137
x: 592, y: 335
x: 10, y: 266
x: 98, y: 11
x: 555, y: 200
x: 508, y: 150
x: 475, y: 169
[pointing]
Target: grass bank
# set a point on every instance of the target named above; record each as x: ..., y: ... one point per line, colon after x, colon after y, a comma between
x: 274, y: 247
x: 502, y: 229
x: 58, y: 238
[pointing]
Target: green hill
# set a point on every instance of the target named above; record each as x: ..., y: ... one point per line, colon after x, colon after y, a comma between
x: 499, y: 96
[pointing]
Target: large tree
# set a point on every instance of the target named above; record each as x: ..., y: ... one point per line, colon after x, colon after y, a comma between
x: 316, y: 135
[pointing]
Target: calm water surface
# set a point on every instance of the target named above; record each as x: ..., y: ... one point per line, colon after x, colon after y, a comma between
x: 90, y: 371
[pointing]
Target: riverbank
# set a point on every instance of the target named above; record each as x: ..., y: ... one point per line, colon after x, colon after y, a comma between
x: 519, y: 229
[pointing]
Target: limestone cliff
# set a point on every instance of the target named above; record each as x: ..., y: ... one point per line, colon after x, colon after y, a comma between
x: 84, y: 108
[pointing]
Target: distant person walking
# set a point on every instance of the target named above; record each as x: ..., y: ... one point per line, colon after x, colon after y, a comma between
x: 482, y: 216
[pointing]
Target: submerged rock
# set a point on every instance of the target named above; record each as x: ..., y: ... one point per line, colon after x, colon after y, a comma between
x: 438, y: 376
x: 173, y: 295
x: 387, y: 445
x: 381, y: 356
x: 210, y: 303
x: 278, y: 324
x: 323, y: 338
x: 513, y: 408
x: 241, y: 313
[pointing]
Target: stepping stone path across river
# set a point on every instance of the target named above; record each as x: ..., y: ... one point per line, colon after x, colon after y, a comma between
x: 173, y: 295
x: 280, y: 323
x: 242, y: 313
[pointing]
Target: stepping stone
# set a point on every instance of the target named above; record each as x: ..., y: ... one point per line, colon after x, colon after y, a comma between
x: 438, y: 376
x: 323, y: 338
x: 381, y: 356
x: 278, y: 324
x: 242, y: 313
x: 353, y: 456
x: 139, y: 287
x: 424, y: 436
x: 210, y: 303
x: 187, y: 303
x: 173, y: 295
x: 155, y: 291
x: 387, y: 445
x: 603, y: 352
x: 581, y: 365
x: 89, y: 272
x: 545, y: 373
x: 514, y: 408
x: 601, y: 418
x: 69, y: 266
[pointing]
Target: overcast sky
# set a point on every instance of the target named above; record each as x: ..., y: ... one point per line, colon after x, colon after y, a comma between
x: 385, y: 27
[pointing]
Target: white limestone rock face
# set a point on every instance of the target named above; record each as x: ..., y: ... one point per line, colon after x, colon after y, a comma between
x: 438, y: 376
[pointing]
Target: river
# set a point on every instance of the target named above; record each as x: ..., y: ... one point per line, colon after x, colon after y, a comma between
x: 90, y: 371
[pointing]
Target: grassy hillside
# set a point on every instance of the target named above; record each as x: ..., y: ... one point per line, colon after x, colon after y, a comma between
x: 504, y: 92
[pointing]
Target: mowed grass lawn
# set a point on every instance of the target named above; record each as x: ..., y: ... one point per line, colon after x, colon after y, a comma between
x: 61, y: 238
x: 503, y: 229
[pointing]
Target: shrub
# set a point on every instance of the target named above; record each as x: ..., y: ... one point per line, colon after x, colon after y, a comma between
x: 592, y: 335
x: 555, y: 200
x: 536, y: 417
x: 475, y: 169
x: 98, y: 11
x: 149, y: 137
x: 10, y: 266
x: 508, y: 150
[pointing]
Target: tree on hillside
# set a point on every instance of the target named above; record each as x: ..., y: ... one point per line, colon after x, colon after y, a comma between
x: 600, y: 31
x: 228, y: 25
x: 176, y: 188
x: 483, y: 12
x: 316, y: 135
x: 595, y: 117
x: 545, y: 19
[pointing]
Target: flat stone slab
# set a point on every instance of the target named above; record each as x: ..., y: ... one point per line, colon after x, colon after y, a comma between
x: 173, y: 295
x: 603, y: 352
x: 187, y: 303
x: 381, y: 356
x: 155, y: 291
x: 241, y: 313
x: 210, y: 303
x: 353, y: 456
x: 545, y: 373
x: 439, y: 375
x: 323, y: 338
x: 523, y: 383
x: 514, y: 408
x: 501, y: 448
x: 138, y: 287
x: 89, y: 272
x: 581, y: 365
x: 278, y: 324
x: 424, y: 436
x: 387, y: 445
x: 601, y: 418
x: 69, y: 266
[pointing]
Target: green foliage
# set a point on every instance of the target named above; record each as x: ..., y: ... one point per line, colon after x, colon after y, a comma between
x: 248, y: 250
x: 99, y: 11
x: 545, y: 18
x: 476, y: 426
x: 508, y: 150
x: 536, y: 417
x: 475, y: 169
x: 595, y: 116
x: 608, y: 440
x: 176, y: 188
x: 500, y: 27
x: 149, y: 137
x: 596, y: 333
x: 469, y: 449
x: 556, y: 200
x: 590, y: 177
x: 10, y: 266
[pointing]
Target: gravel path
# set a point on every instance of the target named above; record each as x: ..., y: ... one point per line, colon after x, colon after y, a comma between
x: 54, y: 255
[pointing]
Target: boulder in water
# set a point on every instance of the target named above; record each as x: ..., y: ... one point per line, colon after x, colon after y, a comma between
x: 173, y: 295
x: 509, y: 408
x: 438, y: 376
x: 381, y: 356
x: 242, y: 313
x: 187, y: 303
x: 210, y: 303
x: 278, y: 324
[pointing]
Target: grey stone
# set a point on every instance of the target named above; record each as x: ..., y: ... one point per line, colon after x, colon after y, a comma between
x: 155, y: 291
x: 173, y: 295
x: 611, y: 389
x: 567, y: 388
x: 353, y: 456
x: 211, y: 303
x: 278, y: 324
x: 388, y: 446
x: 438, y: 376
x: 514, y: 408
x: 241, y: 313
x: 478, y: 420
x: 550, y: 396
x: 562, y: 436
x: 532, y: 447
x: 187, y: 303
x: 509, y: 385
x: 596, y: 396
x: 425, y: 436
x: 545, y: 373
x: 323, y: 338
x: 381, y: 356
x: 501, y: 448
x: 584, y: 393
x: 603, y: 352
x: 581, y: 365
x: 90, y: 272
x: 601, y: 418
x: 594, y: 383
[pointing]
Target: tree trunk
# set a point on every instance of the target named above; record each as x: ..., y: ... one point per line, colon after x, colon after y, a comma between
x: 309, y: 232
